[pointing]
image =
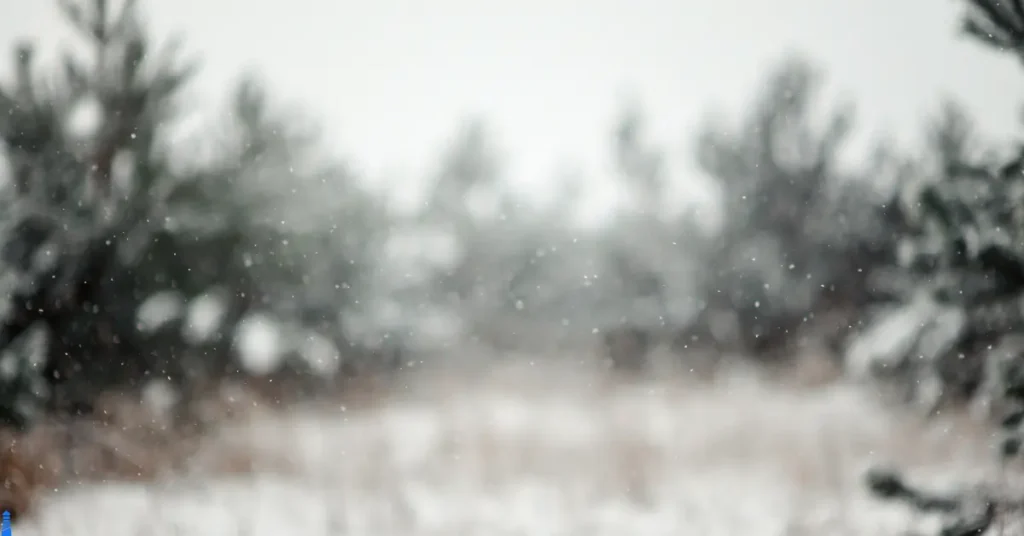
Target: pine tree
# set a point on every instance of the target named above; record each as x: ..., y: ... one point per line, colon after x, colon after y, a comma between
x: 798, y: 233
x: 102, y: 213
x: 964, y: 248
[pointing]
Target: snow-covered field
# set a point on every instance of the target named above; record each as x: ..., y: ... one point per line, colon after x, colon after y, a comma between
x: 545, y: 450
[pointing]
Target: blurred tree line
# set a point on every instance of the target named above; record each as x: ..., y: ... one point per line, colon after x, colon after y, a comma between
x: 129, y: 256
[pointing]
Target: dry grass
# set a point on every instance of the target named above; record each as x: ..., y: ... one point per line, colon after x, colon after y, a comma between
x: 127, y: 440
x: 532, y: 449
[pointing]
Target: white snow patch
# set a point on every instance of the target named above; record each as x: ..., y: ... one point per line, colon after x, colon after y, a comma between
x: 320, y: 353
x: 85, y: 118
x: 258, y: 339
x: 158, y: 310
x: 204, y: 318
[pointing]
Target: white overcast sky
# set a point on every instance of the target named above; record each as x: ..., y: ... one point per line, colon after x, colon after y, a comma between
x: 390, y: 79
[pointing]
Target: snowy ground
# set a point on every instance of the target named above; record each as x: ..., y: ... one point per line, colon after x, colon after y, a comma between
x: 542, y: 451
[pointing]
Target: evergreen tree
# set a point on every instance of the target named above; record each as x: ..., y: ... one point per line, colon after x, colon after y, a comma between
x: 101, y: 214
x: 796, y: 235
x: 964, y: 249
